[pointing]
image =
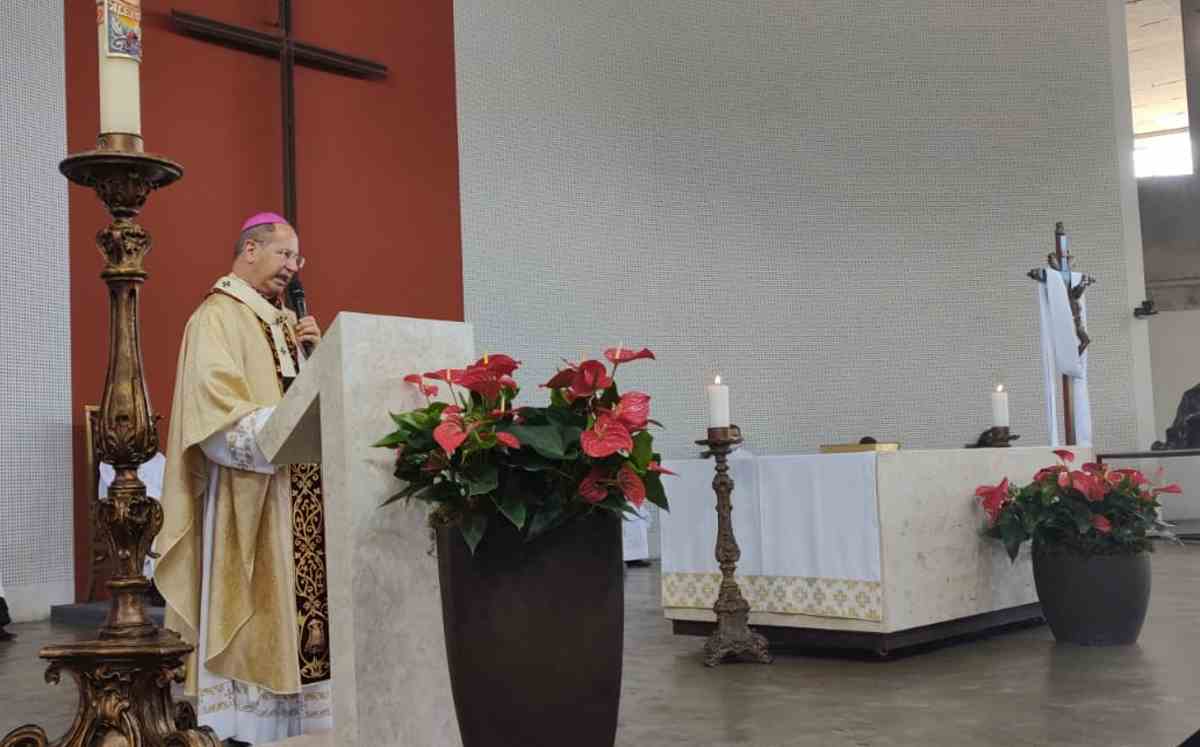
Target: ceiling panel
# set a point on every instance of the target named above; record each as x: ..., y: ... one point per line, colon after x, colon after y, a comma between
x: 1156, y: 71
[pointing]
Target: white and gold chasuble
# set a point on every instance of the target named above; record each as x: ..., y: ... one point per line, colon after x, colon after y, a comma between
x: 242, y: 544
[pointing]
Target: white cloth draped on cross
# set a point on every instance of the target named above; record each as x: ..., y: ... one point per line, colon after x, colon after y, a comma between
x: 1061, y: 356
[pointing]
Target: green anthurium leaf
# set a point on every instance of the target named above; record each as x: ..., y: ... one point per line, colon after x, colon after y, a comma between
x: 535, y: 415
x: 442, y: 492
x: 643, y: 451
x: 1014, y: 549
x: 570, y: 437
x: 611, y: 396
x: 1082, y: 516
x: 472, y: 527
x: 1012, y: 535
x: 392, y: 440
x: 654, y: 490
x: 530, y: 461
x: 513, y: 507
x: 557, y: 399
x: 546, y: 518
x: 565, y: 417
x: 482, y: 480
x: 544, y: 439
x: 617, y: 505
x: 410, y: 491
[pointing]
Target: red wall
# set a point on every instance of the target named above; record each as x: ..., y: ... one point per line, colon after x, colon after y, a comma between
x: 377, y: 168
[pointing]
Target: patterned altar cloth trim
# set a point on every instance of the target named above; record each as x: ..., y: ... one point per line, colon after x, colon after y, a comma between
x: 787, y: 595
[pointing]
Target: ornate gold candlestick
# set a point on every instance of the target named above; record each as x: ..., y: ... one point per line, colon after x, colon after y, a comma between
x: 733, y: 636
x: 125, y: 675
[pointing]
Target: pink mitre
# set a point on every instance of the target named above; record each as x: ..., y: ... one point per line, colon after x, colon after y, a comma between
x: 263, y: 219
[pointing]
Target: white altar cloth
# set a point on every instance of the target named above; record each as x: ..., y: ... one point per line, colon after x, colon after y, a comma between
x: 863, y: 542
x: 807, y: 526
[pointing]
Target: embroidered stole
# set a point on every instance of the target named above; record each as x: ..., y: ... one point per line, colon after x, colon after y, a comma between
x: 308, y: 509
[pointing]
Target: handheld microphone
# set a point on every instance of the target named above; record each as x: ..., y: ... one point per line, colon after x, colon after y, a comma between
x: 295, y: 295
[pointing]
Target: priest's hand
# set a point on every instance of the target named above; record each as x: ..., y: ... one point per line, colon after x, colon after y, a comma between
x: 308, y: 331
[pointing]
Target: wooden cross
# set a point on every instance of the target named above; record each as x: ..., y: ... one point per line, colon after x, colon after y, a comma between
x: 290, y: 53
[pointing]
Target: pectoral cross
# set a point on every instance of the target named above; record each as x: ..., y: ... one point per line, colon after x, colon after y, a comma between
x: 1060, y: 261
x: 290, y: 53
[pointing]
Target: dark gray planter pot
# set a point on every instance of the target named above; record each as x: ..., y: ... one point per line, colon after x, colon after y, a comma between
x: 1097, y: 600
x: 534, y: 634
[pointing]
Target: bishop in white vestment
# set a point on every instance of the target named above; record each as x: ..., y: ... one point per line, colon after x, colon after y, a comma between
x: 242, y: 564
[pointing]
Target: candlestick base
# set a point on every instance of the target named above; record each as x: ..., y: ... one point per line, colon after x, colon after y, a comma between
x: 995, y: 437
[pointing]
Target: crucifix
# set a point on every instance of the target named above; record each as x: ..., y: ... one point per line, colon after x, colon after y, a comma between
x: 1058, y: 269
x: 290, y: 53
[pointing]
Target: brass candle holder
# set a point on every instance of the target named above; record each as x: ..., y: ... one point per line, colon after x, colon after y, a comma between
x: 733, y: 637
x: 997, y: 436
x: 125, y: 675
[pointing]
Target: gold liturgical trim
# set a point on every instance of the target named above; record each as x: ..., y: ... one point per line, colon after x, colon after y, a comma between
x: 787, y: 595
x: 308, y: 548
x: 312, y: 597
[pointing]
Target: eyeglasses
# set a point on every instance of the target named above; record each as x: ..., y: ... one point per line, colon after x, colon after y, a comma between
x: 290, y: 256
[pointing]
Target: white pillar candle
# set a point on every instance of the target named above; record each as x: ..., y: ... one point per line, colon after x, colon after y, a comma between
x: 718, y: 404
x: 119, y: 33
x: 1000, y: 407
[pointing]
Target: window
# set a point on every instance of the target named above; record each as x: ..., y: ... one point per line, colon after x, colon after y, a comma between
x: 1167, y: 154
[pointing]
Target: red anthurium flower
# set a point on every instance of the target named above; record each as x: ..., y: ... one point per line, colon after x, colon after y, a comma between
x: 994, y: 497
x: 508, y: 382
x: 1048, y: 472
x: 1173, y: 489
x: 631, y: 485
x: 509, y: 440
x: 1136, y: 478
x: 633, y: 410
x: 482, y: 381
x: 561, y: 379
x: 1102, y: 524
x: 500, y: 364
x: 592, y: 487
x: 450, y: 435
x: 606, y: 437
x: 429, y: 390
x: 1093, y: 468
x: 624, y: 355
x: 1092, y: 487
x: 1064, y: 455
x: 591, y: 377
x: 656, y: 467
x: 448, y: 375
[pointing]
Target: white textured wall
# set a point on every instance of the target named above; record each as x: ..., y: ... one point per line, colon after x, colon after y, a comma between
x: 35, y: 342
x: 833, y: 203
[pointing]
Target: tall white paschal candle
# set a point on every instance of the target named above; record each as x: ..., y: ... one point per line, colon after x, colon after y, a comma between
x: 119, y: 32
x: 718, y: 404
x: 1000, y: 407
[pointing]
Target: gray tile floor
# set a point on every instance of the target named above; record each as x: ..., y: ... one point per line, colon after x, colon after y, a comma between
x: 1014, y: 689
